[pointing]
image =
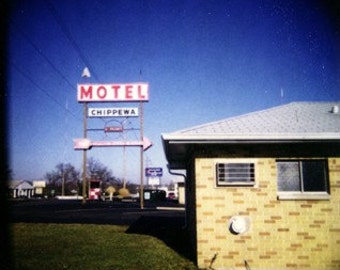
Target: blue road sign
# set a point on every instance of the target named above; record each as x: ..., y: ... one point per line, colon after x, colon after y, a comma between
x: 153, y: 172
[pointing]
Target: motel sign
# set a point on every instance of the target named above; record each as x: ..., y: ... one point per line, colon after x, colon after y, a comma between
x: 128, y: 92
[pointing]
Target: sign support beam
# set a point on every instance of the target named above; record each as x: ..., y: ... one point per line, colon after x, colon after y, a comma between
x: 141, y: 195
x: 84, y: 154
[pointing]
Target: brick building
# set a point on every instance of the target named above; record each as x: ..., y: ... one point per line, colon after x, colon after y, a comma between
x: 263, y: 189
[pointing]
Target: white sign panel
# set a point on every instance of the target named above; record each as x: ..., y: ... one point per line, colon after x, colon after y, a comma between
x: 154, y: 181
x: 39, y: 183
x: 113, y: 92
x: 112, y: 112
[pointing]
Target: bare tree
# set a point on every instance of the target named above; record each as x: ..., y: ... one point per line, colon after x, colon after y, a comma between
x: 64, y: 179
x: 96, y: 170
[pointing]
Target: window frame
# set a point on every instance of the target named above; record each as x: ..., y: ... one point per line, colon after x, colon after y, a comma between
x: 301, y: 194
x: 221, y: 184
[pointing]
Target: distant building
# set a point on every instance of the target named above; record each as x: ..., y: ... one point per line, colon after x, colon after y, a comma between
x: 21, y: 189
x: 263, y: 189
x: 26, y: 189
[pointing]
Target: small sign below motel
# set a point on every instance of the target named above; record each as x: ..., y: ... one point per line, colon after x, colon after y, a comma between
x: 127, y: 92
x: 113, y: 129
x: 112, y: 112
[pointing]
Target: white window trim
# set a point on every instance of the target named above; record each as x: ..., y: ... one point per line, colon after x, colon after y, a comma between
x: 290, y: 195
x: 237, y: 184
x: 300, y: 195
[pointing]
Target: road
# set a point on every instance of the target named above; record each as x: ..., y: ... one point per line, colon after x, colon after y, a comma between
x: 92, y: 212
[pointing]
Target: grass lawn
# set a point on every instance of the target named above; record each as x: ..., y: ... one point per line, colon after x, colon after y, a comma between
x: 83, y: 246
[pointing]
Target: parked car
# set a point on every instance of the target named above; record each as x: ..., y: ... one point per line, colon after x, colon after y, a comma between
x: 172, y: 196
x: 154, y: 195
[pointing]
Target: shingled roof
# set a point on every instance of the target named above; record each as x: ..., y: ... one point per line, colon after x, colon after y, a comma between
x: 294, y: 120
x: 310, y: 128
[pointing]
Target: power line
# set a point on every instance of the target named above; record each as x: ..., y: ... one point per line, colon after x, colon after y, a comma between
x: 68, y: 34
x: 42, y: 90
x: 44, y: 56
x: 36, y: 48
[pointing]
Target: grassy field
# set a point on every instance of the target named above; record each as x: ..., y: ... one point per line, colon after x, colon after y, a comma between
x: 79, y: 246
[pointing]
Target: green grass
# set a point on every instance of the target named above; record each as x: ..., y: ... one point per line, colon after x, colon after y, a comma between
x: 79, y: 246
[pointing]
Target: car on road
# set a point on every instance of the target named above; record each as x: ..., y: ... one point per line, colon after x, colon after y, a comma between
x: 172, y: 196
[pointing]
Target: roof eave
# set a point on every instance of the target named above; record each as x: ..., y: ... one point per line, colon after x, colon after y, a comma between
x: 174, y: 141
x: 194, y: 138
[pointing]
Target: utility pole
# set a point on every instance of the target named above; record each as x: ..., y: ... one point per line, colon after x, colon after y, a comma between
x: 63, y: 182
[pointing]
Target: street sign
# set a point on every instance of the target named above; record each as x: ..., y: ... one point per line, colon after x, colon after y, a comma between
x: 153, y: 172
x: 85, y: 144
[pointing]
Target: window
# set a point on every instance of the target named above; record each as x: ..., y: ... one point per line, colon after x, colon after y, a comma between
x: 302, y: 179
x: 235, y: 174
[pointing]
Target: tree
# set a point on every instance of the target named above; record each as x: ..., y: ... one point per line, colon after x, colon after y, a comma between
x: 96, y: 170
x: 64, y: 179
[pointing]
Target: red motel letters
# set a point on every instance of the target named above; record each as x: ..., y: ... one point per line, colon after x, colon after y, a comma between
x: 113, y: 92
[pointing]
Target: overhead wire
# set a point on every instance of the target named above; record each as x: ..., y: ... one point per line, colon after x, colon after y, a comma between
x: 42, y: 90
x: 36, y: 85
x: 69, y: 36
x: 72, y: 41
x: 75, y: 46
x: 26, y: 37
x: 47, y: 59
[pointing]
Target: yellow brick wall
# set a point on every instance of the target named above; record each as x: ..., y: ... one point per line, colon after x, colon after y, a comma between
x: 283, y: 234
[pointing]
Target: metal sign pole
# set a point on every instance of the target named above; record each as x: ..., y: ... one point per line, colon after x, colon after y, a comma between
x: 141, y: 196
x: 84, y: 154
x: 86, y: 74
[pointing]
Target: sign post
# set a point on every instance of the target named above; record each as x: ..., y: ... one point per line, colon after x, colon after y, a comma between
x: 141, y: 194
x: 86, y: 74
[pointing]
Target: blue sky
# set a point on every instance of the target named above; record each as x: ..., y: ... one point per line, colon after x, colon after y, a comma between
x: 204, y: 61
